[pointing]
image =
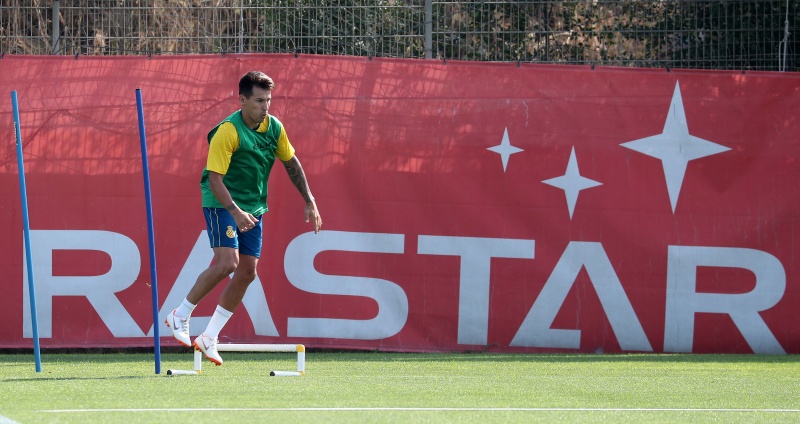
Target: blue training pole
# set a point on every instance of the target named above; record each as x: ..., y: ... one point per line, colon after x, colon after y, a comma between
x: 150, y: 231
x: 27, y: 233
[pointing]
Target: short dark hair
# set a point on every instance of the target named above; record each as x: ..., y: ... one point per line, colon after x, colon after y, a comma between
x: 254, y: 79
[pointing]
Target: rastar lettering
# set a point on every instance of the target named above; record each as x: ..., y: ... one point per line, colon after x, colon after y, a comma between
x: 682, y: 299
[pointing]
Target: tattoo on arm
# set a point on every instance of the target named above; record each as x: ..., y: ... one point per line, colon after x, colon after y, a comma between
x: 298, y: 177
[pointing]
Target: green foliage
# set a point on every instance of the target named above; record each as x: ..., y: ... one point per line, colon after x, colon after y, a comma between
x: 713, y: 34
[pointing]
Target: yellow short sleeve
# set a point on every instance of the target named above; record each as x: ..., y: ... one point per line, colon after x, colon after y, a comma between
x: 285, y: 150
x: 224, y: 142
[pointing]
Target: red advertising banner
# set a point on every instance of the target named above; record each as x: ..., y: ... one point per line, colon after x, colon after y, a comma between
x: 466, y: 206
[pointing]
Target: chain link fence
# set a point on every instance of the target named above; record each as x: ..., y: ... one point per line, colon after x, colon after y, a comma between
x: 701, y: 34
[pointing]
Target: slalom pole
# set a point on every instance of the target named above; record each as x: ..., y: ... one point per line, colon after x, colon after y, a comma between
x: 150, y: 231
x: 26, y: 233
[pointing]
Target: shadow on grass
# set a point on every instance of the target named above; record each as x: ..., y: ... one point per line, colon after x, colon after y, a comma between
x: 55, y: 358
x: 46, y: 378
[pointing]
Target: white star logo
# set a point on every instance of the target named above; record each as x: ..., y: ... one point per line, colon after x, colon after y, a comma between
x: 505, y: 149
x: 675, y: 147
x: 572, y: 182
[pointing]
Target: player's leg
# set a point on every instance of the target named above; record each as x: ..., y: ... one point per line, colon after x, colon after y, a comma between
x: 245, y: 273
x: 226, y: 261
x: 223, y: 239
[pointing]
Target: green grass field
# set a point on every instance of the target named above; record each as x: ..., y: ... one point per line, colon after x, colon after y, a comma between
x: 366, y: 387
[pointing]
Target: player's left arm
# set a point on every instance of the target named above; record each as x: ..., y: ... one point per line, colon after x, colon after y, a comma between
x: 298, y: 177
x: 285, y: 153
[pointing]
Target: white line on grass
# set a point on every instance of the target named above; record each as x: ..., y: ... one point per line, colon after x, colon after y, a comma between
x: 56, y: 411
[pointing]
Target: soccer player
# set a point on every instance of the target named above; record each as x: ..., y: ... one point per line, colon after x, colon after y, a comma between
x: 242, y: 150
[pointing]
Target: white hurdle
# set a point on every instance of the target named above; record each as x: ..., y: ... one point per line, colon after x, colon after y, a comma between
x: 238, y: 347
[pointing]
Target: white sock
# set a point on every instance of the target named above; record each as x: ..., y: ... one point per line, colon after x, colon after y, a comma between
x: 218, y: 320
x: 185, y: 310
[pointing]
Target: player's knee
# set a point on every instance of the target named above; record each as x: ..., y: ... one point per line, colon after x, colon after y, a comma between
x: 247, y: 275
x: 227, y: 266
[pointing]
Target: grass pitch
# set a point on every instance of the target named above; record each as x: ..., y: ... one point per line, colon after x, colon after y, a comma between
x: 366, y: 387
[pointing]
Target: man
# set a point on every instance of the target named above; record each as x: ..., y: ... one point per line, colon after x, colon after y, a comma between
x: 242, y: 150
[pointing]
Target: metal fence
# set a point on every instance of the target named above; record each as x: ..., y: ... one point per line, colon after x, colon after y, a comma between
x: 703, y: 34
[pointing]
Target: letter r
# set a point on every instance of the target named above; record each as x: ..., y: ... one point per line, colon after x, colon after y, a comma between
x: 99, y: 290
x: 683, y: 300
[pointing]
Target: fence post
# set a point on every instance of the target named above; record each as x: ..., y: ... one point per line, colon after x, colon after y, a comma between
x: 56, y: 35
x: 428, y: 29
x: 241, y: 26
x: 782, y: 54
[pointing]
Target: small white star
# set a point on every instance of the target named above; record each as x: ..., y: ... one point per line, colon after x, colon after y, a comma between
x: 675, y: 147
x: 505, y: 149
x: 572, y: 182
